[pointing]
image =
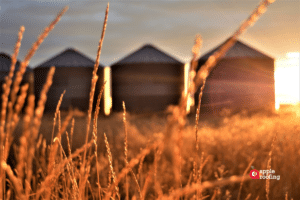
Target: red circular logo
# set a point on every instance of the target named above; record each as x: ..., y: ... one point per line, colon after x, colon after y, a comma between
x: 254, y: 174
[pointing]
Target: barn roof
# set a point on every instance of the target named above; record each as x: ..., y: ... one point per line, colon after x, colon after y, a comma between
x: 5, y: 63
x: 148, y: 54
x: 69, y: 58
x: 238, y: 50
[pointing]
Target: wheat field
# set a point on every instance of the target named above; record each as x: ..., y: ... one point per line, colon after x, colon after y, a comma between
x: 168, y: 155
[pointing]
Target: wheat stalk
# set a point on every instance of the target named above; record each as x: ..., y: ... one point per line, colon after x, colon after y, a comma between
x: 157, y: 157
x: 130, y: 165
x: 139, y: 175
x: 205, y: 185
x: 16, y: 85
x: 54, y: 146
x: 126, y: 157
x: 178, y: 116
x: 269, y: 167
x: 25, y: 62
x: 92, y: 92
x: 36, y: 125
x: 69, y: 164
x: 195, y: 55
x: 125, y: 148
x: 73, y: 179
x: 55, y: 172
x: 8, y: 194
x: 8, y: 79
x: 95, y: 132
x: 56, y: 113
x: 25, y: 138
x: 72, y: 132
x: 206, y: 68
x: 95, y: 78
x: 6, y: 91
x: 111, y: 167
x: 248, y: 196
x: 16, y: 182
x: 19, y: 106
x: 68, y: 143
x: 137, y: 183
x: 244, y: 174
x: 146, y: 185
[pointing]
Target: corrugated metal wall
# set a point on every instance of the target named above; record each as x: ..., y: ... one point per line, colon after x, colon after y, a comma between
x: 241, y: 83
x: 75, y: 80
x: 146, y: 87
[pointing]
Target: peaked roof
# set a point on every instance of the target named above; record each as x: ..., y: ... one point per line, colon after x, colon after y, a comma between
x: 5, y: 63
x: 69, y: 58
x: 238, y: 50
x: 148, y: 54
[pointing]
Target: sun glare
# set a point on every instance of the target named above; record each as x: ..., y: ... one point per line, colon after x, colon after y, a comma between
x: 190, y: 100
x: 107, y: 92
x: 287, y: 80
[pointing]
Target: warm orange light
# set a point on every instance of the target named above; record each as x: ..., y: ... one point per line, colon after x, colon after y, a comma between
x: 190, y: 99
x: 287, y: 80
x: 107, y: 92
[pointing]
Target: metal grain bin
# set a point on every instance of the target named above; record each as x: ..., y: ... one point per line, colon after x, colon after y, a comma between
x: 243, y: 79
x: 73, y: 73
x: 5, y: 64
x: 148, y: 80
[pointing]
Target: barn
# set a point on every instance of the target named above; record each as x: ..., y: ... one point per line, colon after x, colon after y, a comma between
x: 5, y: 64
x: 73, y: 73
x: 147, y: 80
x: 242, y: 79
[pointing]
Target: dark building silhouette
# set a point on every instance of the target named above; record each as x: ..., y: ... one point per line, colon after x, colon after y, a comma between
x: 73, y: 73
x: 147, y: 80
x: 242, y: 79
x: 5, y: 64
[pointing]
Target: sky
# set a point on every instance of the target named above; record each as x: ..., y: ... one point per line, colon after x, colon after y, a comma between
x: 169, y: 25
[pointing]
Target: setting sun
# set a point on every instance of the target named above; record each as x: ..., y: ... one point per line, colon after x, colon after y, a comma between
x: 287, y: 79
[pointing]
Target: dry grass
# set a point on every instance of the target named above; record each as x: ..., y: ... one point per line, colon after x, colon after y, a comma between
x: 230, y: 141
x: 158, y: 163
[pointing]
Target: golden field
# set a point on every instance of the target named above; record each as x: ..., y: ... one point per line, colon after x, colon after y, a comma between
x: 228, y: 144
x: 168, y: 155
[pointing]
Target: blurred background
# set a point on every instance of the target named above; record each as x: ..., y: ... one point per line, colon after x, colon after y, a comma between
x: 169, y: 25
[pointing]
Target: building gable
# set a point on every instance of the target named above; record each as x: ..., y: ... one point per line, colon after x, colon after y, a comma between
x: 148, y: 54
x: 5, y: 63
x: 238, y: 50
x: 69, y: 58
